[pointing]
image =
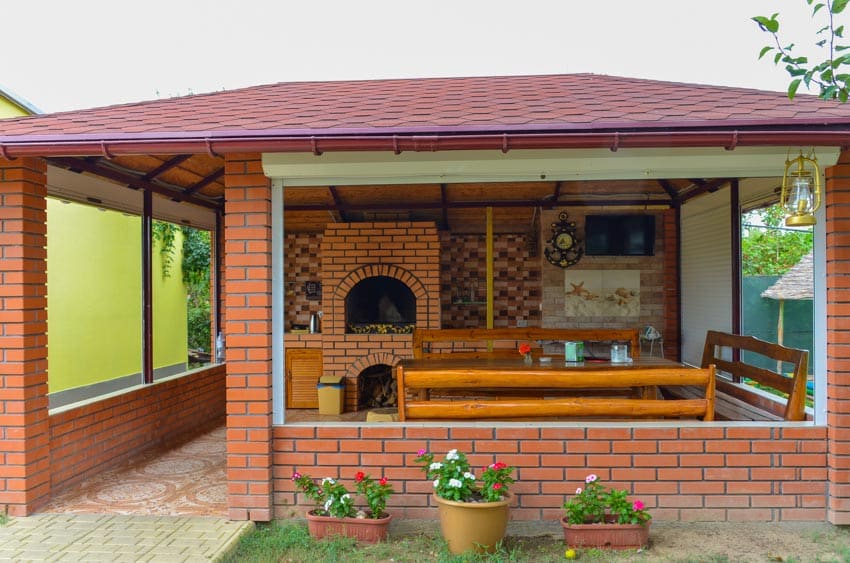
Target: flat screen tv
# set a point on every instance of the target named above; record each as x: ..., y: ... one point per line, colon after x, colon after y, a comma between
x: 619, y: 235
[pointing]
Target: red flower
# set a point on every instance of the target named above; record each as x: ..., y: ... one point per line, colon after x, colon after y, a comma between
x: 524, y: 348
x: 498, y: 465
x: 383, y: 481
x: 359, y: 476
x: 296, y: 475
x: 497, y: 486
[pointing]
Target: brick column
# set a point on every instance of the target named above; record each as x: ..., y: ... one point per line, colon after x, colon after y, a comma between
x: 838, y: 339
x: 248, y: 337
x: 24, y: 433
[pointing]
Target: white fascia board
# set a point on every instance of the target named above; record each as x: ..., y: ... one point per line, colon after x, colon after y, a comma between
x: 90, y: 190
x: 360, y: 168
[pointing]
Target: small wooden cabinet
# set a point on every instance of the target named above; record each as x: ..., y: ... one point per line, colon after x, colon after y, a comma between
x: 303, y: 369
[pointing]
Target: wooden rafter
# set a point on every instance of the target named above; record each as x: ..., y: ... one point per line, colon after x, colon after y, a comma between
x: 200, y: 184
x: 129, y: 179
x: 338, y: 203
x: 167, y: 165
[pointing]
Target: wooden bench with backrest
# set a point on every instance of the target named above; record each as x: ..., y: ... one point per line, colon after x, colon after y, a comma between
x: 737, y: 400
x: 578, y: 387
x: 504, y: 342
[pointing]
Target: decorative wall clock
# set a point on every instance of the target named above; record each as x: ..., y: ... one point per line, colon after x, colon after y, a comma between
x: 564, y: 248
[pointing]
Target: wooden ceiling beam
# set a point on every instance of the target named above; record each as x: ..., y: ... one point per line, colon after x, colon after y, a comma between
x: 136, y: 182
x: 188, y: 192
x: 338, y: 203
x: 444, y: 200
x: 476, y: 204
x: 670, y: 189
x: 704, y: 187
x: 167, y: 165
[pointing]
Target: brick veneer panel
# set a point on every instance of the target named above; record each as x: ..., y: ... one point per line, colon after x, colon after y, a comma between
x: 517, y: 287
x: 655, y: 281
x: 98, y: 435
x: 837, y: 202
x: 24, y: 441
x: 302, y: 264
x: 248, y: 334
x: 669, y: 224
x: 710, y: 472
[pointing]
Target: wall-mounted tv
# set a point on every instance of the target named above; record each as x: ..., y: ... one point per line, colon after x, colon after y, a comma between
x: 619, y: 235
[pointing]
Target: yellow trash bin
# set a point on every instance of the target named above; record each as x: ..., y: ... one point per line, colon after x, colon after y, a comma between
x: 331, y: 389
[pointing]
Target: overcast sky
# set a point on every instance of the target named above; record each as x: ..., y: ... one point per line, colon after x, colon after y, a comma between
x: 70, y: 54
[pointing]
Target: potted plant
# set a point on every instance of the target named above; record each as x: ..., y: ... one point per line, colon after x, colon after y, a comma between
x: 473, y: 511
x: 336, y: 513
x: 600, y: 517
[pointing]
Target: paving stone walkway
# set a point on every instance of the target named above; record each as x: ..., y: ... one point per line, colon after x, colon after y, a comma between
x: 120, y: 538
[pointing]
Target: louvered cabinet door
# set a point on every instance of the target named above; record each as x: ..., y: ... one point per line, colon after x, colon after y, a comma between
x: 303, y: 369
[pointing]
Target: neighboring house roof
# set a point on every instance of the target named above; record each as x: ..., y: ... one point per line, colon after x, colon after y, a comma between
x: 797, y: 283
x: 566, y: 105
x: 25, y: 105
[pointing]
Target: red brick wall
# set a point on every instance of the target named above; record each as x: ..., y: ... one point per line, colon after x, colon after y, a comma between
x: 838, y: 337
x: 24, y: 440
x: 706, y: 472
x: 351, y: 252
x: 248, y: 334
x: 90, y: 438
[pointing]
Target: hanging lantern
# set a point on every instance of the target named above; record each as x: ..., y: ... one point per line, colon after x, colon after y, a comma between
x: 801, y: 190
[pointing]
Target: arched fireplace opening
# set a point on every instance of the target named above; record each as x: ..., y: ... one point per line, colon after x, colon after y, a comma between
x: 376, y: 387
x: 382, y: 305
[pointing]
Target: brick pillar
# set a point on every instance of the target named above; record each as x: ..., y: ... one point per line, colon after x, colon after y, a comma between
x: 837, y: 227
x: 24, y: 434
x: 248, y: 337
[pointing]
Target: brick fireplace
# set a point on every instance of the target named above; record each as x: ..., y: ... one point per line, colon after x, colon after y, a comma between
x: 354, y: 253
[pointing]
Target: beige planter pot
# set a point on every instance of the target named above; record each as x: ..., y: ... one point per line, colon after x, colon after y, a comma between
x: 477, y: 526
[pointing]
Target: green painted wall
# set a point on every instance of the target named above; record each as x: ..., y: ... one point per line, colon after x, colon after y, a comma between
x: 94, y: 298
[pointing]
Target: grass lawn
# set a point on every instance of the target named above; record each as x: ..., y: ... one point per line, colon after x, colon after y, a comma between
x: 290, y: 541
x: 675, y: 542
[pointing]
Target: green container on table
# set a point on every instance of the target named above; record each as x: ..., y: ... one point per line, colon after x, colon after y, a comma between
x: 573, y: 352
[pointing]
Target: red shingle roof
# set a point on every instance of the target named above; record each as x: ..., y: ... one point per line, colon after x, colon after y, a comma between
x: 503, y: 103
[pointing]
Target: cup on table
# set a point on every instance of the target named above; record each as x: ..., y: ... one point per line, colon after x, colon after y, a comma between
x: 619, y: 353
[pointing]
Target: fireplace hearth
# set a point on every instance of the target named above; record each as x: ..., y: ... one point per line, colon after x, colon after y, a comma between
x: 380, y: 305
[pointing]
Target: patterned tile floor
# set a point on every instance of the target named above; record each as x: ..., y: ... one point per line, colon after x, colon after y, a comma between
x: 184, y: 480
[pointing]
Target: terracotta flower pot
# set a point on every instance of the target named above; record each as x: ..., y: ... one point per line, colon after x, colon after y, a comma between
x: 366, y: 530
x: 478, y: 526
x: 609, y: 535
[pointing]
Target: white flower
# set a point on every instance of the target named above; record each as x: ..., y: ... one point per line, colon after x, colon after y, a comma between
x: 435, y: 466
x: 328, y: 480
x: 346, y: 496
x: 455, y: 483
x: 452, y: 455
x: 469, y: 475
x: 436, y: 482
x: 328, y: 504
x: 578, y: 491
x: 590, y: 478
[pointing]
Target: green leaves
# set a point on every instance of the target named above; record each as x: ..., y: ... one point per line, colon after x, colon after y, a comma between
x: 770, y: 24
x: 833, y: 85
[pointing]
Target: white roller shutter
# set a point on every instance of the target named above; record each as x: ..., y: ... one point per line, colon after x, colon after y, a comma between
x: 706, y: 271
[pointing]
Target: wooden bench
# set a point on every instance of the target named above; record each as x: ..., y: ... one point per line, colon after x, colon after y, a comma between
x: 504, y: 342
x: 578, y: 385
x: 735, y: 399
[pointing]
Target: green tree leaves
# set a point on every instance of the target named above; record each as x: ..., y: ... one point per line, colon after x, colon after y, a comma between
x: 832, y: 85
